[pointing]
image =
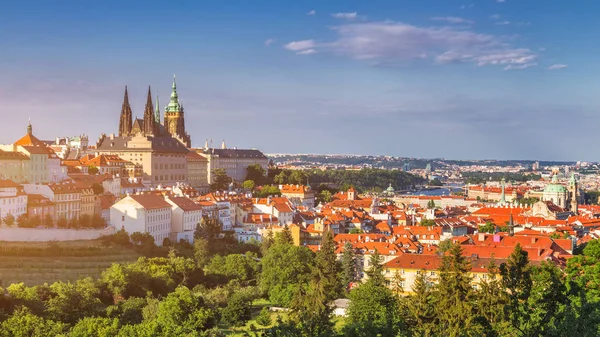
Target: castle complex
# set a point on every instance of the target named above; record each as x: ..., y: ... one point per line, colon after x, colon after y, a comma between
x: 173, y: 124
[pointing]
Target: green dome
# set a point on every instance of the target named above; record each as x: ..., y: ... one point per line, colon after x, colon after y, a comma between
x: 555, y: 188
x: 390, y: 189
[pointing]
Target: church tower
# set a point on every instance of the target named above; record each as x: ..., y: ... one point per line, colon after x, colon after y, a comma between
x: 149, y: 123
x: 125, y: 123
x: 174, y: 120
x: 573, y: 189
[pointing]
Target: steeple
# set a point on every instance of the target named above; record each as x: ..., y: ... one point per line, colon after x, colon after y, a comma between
x: 573, y: 191
x: 125, y: 122
x: 223, y: 146
x: 157, y: 111
x: 149, y: 115
x: 174, y: 105
x: 503, y: 195
x: 511, y: 226
x: 29, y: 128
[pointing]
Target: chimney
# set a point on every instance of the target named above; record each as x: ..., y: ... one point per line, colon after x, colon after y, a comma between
x: 112, y: 136
x: 481, y: 237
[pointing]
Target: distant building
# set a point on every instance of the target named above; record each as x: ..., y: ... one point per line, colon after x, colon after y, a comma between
x: 197, y: 171
x: 234, y: 161
x: 299, y: 195
x: 185, y: 217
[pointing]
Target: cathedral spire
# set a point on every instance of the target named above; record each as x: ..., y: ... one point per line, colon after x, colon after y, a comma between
x: 125, y: 123
x: 29, y: 128
x: 174, y: 102
x: 157, y: 111
x: 149, y: 115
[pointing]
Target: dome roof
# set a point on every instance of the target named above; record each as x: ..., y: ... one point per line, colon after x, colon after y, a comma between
x: 390, y: 188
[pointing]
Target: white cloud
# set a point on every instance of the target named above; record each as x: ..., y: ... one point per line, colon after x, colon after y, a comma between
x: 503, y: 23
x: 269, y: 42
x: 307, y: 52
x: 349, y: 16
x: 311, y: 12
x: 495, y: 16
x: 452, y: 19
x: 300, y: 45
x: 557, y: 66
x: 467, y: 6
x: 500, y: 1
x: 394, y: 42
x: 519, y: 66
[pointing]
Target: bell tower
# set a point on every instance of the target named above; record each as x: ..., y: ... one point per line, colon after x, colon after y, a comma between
x: 174, y: 119
x: 573, y: 191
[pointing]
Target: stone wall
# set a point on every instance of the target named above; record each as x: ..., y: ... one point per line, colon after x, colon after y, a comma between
x: 50, y: 234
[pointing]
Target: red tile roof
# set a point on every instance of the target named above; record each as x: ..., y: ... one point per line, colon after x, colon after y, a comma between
x: 151, y: 201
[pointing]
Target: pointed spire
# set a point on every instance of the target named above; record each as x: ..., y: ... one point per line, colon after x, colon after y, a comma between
x: 125, y: 123
x: 223, y: 146
x: 157, y: 111
x: 503, y: 195
x: 149, y: 114
x: 29, y: 128
x: 174, y: 105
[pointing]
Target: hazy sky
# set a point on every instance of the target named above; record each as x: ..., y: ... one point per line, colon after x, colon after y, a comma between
x: 506, y: 79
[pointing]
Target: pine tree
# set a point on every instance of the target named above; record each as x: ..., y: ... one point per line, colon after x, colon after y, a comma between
x: 491, y: 298
x: 375, y: 271
x: 454, y: 306
x: 328, y: 266
x: 348, y: 274
x: 516, y: 279
x: 285, y: 236
x: 420, y: 306
x: 311, y: 312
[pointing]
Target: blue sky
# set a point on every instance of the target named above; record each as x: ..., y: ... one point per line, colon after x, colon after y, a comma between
x: 512, y: 79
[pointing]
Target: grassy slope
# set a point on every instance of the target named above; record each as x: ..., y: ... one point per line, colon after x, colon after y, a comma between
x: 66, y: 261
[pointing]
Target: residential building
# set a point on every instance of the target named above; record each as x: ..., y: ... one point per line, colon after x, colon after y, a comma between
x: 39, y: 205
x: 299, y: 195
x: 197, y: 171
x: 66, y: 197
x: 185, y: 217
x: 14, y: 166
x: 12, y: 199
x: 144, y: 213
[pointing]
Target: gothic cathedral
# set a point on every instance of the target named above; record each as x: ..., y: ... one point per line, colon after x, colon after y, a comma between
x: 173, y: 124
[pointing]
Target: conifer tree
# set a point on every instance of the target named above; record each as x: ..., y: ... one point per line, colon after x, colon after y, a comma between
x: 348, y: 274
x: 375, y: 272
x: 420, y: 306
x: 328, y: 266
x: 516, y: 279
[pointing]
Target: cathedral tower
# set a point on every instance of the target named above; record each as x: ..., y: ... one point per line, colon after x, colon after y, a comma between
x: 174, y: 120
x: 125, y: 123
x: 573, y: 189
x: 149, y: 123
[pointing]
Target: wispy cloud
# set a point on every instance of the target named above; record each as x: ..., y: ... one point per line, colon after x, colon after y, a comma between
x: 311, y: 12
x: 348, y: 16
x: 452, y: 19
x: 467, y: 6
x: 300, y: 45
x: 557, y: 66
x: 500, y: 1
x: 269, y: 42
x: 394, y: 42
x: 503, y: 23
x: 495, y: 16
x: 307, y: 52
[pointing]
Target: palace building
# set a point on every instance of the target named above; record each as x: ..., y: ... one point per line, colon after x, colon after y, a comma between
x: 160, y: 148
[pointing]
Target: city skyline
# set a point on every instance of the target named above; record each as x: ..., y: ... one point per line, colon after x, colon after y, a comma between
x: 485, y: 79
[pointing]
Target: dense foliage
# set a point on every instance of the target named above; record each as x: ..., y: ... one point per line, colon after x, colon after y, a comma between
x: 482, y: 177
x: 205, y: 290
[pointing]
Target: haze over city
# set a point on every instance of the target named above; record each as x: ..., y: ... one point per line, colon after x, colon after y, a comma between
x: 456, y: 79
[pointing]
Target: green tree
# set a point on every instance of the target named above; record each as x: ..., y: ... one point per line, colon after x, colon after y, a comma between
x: 97, y: 221
x: 348, y: 273
x: 285, y: 268
x: 373, y: 310
x: 516, y: 279
x: 62, y: 222
x: 237, y: 312
x: 435, y: 182
x: 73, y: 301
x: 431, y: 204
x: 248, y: 185
x: 220, y: 180
x: 324, y: 196
x: 85, y: 221
x: 329, y: 268
x: 23, y: 221
x: 23, y: 323
x: 264, y: 317
x: 181, y: 313
x: 284, y: 236
x: 489, y: 227
x: 491, y: 298
x: 95, y: 326
x: 420, y: 306
x: 92, y: 170
x: 98, y: 189
x: 201, y: 252
x: 427, y: 222
x: 48, y: 220
x: 297, y: 177
x: 256, y: 173
x: 454, y: 309
x: 375, y: 272
x: 267, y: 190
